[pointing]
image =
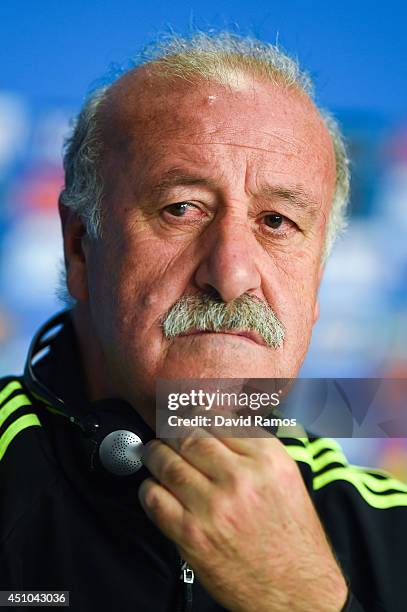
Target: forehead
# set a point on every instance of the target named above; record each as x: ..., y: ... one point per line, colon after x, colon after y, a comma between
x: 142, y: 100
x: 146, y: 117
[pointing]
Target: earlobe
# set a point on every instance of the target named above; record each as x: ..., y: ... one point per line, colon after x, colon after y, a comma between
x: 74, y: 233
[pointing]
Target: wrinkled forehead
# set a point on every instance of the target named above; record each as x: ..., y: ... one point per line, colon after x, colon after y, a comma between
x: 143, y: 107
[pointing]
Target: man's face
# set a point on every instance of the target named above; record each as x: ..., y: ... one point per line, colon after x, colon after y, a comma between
x: 208, y: 190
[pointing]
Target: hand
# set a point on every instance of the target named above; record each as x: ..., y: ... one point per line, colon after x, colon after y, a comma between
x: 240, y: 514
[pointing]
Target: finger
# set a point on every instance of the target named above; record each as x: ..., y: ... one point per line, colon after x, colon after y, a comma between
x: 225, y: 426
x: 268, y: 448
x: 162, y: 508
x: 241, y: 439
x: 206, y: 453
x: 183, y: 480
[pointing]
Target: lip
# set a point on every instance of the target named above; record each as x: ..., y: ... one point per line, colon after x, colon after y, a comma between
x: 251, y: 336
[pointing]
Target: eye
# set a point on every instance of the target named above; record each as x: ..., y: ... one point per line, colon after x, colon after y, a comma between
x: 185, y: 213
x: 278, y: 225
x: 274, y: 220
x: 177, y: 210
x: 180, y: 209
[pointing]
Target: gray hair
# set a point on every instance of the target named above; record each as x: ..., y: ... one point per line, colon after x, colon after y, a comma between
x: 220, y: 57
x: 208, y: 313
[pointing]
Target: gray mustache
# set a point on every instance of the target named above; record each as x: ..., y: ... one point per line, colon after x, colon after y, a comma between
x: 207, y: 313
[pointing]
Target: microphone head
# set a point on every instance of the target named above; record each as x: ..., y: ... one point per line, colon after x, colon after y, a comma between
x: 120, y: 452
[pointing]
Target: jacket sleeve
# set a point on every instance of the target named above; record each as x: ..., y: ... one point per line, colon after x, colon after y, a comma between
x: 364, y: 514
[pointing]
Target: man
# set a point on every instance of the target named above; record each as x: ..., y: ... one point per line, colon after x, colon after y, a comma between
x: 203, y: 192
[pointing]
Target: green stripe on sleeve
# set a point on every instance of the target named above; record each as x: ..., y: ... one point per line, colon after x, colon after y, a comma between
x: 299, y: 453
x: 28, y: 420
x: 379, y: 493
x: 14, y: 404
x: 358, y: 480
x: 8, y: 390
x: 302, y: 454
x: 381, y: 486
x: 323, y: 443
x: 331, y: 456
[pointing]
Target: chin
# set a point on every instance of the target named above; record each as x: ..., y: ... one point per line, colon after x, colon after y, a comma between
x: 238, y: 367
x: 223, y: 356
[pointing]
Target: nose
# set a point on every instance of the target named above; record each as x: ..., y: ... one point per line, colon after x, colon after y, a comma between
x: 228, y: 266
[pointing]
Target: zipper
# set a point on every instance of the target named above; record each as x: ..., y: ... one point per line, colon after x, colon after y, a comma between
x: 187, y: 578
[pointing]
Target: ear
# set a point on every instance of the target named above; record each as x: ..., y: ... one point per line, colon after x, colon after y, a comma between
x: 74, y: 234
x: 316, y: 307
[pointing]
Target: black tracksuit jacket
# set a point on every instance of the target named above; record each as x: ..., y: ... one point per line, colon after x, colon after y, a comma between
x: 65, y: 527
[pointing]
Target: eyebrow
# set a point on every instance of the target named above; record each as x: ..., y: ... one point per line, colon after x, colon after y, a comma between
x: 175, y: 178
x: 294, y: 195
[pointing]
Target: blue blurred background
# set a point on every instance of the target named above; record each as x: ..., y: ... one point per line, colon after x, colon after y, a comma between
x: 356, y: 53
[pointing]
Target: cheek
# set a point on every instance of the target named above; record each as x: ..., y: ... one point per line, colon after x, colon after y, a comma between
x: 299, y: 328
x: 292, y: 292
x: 137, y: 277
